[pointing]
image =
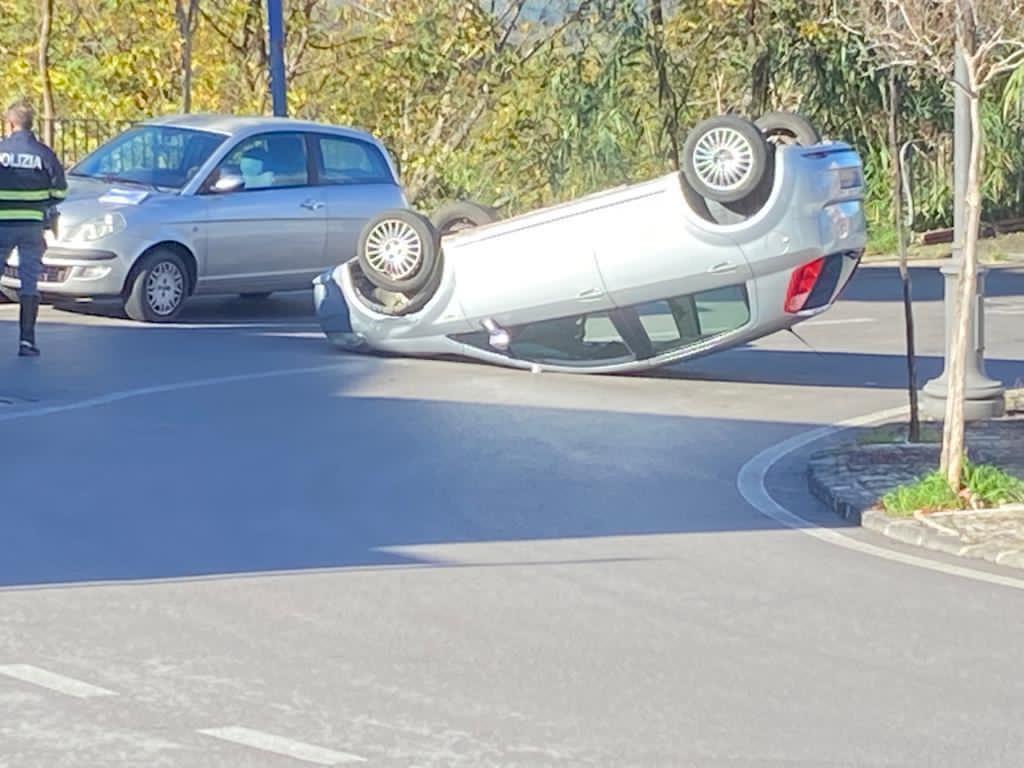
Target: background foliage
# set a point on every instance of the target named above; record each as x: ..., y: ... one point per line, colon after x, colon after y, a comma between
x: 514, y: 102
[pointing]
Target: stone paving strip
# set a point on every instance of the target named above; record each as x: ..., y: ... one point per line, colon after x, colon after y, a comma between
x: 851, y: 480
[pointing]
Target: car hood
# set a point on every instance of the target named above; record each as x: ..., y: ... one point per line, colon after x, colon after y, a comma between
x: 91, y: 198
x: 110, y: 193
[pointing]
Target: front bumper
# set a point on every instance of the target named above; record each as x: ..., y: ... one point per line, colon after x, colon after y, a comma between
x: 73, y: 272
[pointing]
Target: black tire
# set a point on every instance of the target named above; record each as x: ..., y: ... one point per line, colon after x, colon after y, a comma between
x: 788, y: 128
x: 462, y: 214
x: 725, y: 158
x: 398, y: 250
x: 157, y: 288
x: 255, y: 296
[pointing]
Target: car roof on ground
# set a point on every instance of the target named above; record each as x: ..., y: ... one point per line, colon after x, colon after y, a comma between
x: 234, y: 124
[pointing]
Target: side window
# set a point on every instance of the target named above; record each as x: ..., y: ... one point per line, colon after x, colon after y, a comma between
x: 578, y: 339
x: 268, y: 161
x: 678, y: 322
x: 350, y: 161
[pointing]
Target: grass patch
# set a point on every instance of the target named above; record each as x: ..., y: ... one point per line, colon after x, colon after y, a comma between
x: 984, y: 486
x: 882, y: 239
x: 1003, y: 249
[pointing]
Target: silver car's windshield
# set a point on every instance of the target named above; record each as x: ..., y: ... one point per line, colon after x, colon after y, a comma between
x: 156, y: 156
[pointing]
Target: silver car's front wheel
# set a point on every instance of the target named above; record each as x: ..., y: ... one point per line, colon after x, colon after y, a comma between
x: 394, y: 248
x: 165, y: 288
x: 158, y: 287
x: 398, y: 250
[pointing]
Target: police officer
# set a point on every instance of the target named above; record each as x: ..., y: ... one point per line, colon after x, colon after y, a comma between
x: 31, y: 184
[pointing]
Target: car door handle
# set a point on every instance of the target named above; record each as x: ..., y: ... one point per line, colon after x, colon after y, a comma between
x: 722, y: 266
x: 313, y: 205
x: 589, y: 293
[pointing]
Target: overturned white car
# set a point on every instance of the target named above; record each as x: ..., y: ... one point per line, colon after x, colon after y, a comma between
x: 762, y: 229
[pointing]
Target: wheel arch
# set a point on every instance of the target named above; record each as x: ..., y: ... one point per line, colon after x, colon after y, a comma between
x: 191, y: 264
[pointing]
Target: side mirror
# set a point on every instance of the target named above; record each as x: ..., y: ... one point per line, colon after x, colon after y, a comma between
x: 227, y: 183
x: 498, y: 337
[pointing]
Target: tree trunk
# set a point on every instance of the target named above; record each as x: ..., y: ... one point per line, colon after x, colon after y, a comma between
x: 914, y: 428
x: 45, y: 25
x: 960, y: 347
x: 666, y: 95
x: 187, y: 18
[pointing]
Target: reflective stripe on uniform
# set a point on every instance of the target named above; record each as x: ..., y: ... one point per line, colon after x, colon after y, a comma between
x: 57, y: 194
x: 20, y: 195
x: 25, y: 214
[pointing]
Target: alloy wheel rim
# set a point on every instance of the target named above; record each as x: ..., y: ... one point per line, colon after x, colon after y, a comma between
x: 723, y: 159
x: 393, y: 248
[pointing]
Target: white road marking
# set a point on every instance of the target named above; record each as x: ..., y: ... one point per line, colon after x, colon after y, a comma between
x: 282, y: 746
x: 129, y: 394
x: 837, y: 321
x: 59, y: 683
x: 751, y: 484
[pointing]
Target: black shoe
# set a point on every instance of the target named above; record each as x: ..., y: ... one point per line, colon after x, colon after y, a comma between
x: 29, y: 310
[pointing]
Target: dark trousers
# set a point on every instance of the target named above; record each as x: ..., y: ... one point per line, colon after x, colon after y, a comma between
x: 28, y: 239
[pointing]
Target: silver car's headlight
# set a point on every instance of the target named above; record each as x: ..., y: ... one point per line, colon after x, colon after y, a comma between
x: 98, y: 228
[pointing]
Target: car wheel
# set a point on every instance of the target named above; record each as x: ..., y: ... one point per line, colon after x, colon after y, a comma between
x: 788, y: 128
x: 724, y: 158
x: 255, y: 296
x: 158, y: 288
x: 397, y: 250
x: 462, y: 214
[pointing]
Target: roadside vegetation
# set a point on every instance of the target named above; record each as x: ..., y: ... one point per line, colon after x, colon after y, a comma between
x: 983, y: 486
x: 517, y: 103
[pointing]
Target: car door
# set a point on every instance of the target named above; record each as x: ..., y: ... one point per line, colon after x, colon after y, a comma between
x: 648, y: 249
x: 528, y: 270
x: 265, y: 235
x: 359, y: 184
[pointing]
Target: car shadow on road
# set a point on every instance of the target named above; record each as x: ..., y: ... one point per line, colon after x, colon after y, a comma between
x: 824, y: 369
x: 267, y: 475
x: 250, y: 475
x: 211, y: 310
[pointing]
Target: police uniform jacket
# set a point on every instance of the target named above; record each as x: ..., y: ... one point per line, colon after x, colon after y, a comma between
x: 31, y: 179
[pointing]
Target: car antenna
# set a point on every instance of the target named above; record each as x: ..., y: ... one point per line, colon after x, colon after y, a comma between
x: 804, y: 341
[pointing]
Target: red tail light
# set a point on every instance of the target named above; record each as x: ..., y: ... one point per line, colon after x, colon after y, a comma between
x: 802, y: 283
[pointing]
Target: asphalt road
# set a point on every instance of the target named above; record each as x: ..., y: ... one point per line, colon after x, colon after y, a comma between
x: 226, y: 544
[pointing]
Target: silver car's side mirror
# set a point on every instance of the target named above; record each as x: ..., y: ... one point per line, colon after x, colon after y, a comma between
x: 228, y: 183
x: 498, y: 337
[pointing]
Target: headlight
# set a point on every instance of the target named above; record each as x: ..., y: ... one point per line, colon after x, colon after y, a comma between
x: 98, y: 228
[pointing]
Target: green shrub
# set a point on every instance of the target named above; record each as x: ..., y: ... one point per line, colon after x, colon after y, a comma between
x: 986, y: 485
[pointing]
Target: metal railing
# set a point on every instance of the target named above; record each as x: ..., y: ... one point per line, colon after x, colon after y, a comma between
x: 74, y: 138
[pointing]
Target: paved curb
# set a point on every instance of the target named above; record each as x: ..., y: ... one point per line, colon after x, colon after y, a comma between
x: 851, y: 479
x: 921, y: 535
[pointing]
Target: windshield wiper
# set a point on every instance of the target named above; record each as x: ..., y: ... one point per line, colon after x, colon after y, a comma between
x: 110, y: 178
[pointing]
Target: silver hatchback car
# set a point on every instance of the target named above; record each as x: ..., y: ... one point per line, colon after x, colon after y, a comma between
x: 762, y: 229
x: 202, y: 204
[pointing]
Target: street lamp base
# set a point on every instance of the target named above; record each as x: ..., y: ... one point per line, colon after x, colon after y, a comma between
x: 984, y: 398
x: 933, y: 407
